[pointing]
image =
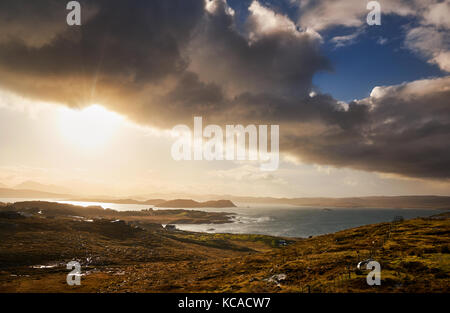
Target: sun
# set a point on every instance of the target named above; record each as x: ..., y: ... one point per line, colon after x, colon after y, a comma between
x: 88, y: 128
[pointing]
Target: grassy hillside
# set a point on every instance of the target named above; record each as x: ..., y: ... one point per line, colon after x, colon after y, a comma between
x: 119, y: 257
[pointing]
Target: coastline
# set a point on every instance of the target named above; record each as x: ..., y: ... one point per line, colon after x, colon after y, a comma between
x: 33, y: 257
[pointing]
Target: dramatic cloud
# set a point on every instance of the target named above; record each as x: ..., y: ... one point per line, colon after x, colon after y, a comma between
x: 122, y: 48
x: 162, y: 62
x: 271, y: 55
x: 398, y: 129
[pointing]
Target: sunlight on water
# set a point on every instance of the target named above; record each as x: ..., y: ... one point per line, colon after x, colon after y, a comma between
x: 277, y: 220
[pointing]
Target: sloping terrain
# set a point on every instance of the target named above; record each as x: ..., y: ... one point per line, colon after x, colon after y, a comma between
x: 123, y: 257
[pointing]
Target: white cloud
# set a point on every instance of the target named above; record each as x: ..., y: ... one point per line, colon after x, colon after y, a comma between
x: 413, y: 89
x: 432, y: 43
x: 267, y: 21
x: 341, y: 41
x: 323, y: 14
x: 382, y: 41
x: 213, y: 5
x: 443, y: 60
x: 438, y: 14
x: 14, y: 102
x: 430, y: 39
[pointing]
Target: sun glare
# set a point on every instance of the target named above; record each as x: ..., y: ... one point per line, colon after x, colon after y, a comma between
x: 88, y: 128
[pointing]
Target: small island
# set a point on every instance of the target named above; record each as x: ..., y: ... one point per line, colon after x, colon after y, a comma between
x: 188, y: 203
x: 161, y: 203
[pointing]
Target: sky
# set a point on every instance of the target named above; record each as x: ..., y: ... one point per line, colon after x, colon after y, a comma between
x: 362, y: 110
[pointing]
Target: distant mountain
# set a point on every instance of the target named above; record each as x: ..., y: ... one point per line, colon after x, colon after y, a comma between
x: 120, y: 201
x: 188, y: 203
x: 41, y: 191
x: 422, y: 202
x: 32, y: 185
x: 25, y: 193
x: 413, y: 201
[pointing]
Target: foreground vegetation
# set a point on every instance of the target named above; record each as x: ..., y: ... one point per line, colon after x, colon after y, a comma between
x: 119, y: 256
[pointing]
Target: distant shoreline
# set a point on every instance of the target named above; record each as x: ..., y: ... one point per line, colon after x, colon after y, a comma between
x: 46, y: 209
x: 388, y: 202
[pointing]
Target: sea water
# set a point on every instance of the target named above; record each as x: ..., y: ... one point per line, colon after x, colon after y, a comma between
x: 280, y: 220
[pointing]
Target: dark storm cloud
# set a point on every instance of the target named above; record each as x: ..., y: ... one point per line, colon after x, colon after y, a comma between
x: 125, y: 45
x: 35, y: 22
x: 162, y: 62
x: 280, y: 60
x: 402, y: 129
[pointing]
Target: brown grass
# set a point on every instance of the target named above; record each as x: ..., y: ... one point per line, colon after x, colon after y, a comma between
x: 414, y: 257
